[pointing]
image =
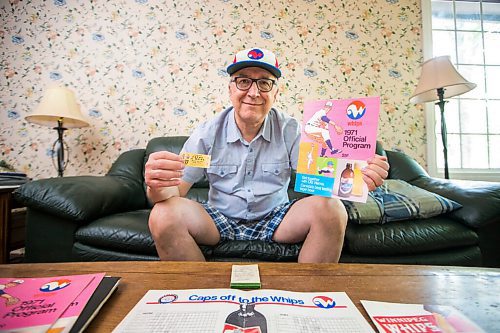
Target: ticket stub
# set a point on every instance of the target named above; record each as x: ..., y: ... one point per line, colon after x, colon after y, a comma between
x: 196, y: 160
x: 245, y: 276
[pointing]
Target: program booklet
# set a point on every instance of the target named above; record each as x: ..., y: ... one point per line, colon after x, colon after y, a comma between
x: 338, y: 137
x: 402, y: 318
x: 231, y: 311
x: 36, y: 304
x: 102, y: 293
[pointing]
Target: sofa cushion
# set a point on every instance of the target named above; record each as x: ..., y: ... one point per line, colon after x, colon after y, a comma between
x: 256, y: 250
x: 408, y: 237
x: 396, y: 200
x: 125, y: 232
x: 126, y: 236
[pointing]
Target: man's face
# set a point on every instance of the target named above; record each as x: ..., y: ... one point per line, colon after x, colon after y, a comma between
x: 252, y: 106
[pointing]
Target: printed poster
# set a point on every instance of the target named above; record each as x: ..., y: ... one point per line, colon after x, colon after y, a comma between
x: 237, y: 311
x: 403, y: 318
x: 338, y: 137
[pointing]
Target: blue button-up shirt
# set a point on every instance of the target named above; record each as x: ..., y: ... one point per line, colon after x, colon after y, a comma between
x: 247, y: 179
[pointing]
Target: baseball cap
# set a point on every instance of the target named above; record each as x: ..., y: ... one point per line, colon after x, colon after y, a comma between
x: 255, y: 57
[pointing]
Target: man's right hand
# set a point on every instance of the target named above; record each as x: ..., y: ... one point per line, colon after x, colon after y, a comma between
x: 163, y: 169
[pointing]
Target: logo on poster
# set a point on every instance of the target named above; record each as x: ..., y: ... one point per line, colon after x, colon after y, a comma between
x: 356, y: 110
x: 169, y: 298
x: 323, y: 302
x: 55, y: 285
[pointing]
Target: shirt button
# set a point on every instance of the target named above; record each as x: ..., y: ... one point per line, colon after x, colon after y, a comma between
x: 222, y: 173
x: 251, y: 150
x: 276, y: 171
x: 248, y: 190
x: 249, y: 173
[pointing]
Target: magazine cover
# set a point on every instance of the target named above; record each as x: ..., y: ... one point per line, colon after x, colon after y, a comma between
x: 237, y: 311
x: 337, y: 138
x: 401, y: 318
x: 34, y: 304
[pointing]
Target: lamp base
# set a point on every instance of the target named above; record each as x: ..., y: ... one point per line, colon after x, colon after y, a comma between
x: 441, y: 103
x: 59, y: 158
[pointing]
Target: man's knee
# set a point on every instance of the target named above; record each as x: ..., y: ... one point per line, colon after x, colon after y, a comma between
x: 330, y: 212
x: 166, y: 217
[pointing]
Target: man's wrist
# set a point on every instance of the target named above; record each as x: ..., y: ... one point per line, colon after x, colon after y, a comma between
x: 162, y: 193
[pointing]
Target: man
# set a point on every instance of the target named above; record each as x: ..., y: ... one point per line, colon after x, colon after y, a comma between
x: 253, y: 148
x: 317, y: 128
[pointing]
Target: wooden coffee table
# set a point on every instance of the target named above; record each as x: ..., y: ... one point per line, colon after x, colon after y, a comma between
x: 474, y: 291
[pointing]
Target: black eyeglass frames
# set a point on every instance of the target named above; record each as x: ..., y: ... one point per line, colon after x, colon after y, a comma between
x: 244, y: 83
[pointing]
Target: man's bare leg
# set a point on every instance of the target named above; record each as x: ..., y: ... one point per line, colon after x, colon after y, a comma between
x: 318, y: 221
x: 178, y: 225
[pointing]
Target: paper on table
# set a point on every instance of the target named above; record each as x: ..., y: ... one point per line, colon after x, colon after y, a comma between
x: 230, y: 310
x: 401, y: 317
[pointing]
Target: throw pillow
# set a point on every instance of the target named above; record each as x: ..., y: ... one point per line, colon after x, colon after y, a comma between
x: 396, y: 200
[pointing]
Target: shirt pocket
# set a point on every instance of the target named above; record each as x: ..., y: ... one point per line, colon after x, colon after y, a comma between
x: 222, y: 177
x: 273, y: 177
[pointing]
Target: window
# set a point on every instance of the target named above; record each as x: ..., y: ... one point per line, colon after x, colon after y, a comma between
x: 469, y: 32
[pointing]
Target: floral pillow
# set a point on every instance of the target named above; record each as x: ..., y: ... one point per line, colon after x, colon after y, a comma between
x: 396, y: 200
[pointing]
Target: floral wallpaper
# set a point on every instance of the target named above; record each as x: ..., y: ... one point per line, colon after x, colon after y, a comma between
x: 142, y: 69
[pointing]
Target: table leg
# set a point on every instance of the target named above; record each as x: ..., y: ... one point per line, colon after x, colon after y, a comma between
x: 5, y: 211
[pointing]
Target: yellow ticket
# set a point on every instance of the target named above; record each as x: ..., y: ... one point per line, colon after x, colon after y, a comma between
x: 196, y: 160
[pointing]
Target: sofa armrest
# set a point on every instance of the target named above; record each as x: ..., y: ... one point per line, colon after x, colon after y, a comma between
x: 403, y: 166
x: 83, y: 198
x: 480, y: 200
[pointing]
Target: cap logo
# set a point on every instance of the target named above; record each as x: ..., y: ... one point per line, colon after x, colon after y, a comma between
x: 255, y: 54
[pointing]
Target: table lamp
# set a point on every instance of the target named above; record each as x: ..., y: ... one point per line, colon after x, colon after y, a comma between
x: 59, y: 109
x: 439, y: 80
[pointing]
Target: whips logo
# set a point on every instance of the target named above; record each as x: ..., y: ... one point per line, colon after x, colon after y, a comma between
x: 356, y: 110
x: 55, y: 285
x: 169, y: 298
x: 323, y: 302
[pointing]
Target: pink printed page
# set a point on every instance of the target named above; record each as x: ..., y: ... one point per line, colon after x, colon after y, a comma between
x: 337, y: 138
x: 357, y: 121
x: 403, y: 317
x: 37, y: 303
x: 69, y: 317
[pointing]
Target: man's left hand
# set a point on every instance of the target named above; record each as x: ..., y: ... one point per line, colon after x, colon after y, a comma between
x: 376, y: 171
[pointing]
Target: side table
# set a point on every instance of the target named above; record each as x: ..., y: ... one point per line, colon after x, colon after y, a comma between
x: 12, y: 226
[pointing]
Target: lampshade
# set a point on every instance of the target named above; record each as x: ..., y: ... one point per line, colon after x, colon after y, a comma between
x: 438, y: 73
x: 58, y: 103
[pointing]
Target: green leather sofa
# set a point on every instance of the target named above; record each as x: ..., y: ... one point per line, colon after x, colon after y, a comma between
x: 96, y: 218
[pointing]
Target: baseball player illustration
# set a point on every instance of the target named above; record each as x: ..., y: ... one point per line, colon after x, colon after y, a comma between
x: 9, y: 299
x: 329, y: 169
x: 310, y: 158
x: 317, y: 128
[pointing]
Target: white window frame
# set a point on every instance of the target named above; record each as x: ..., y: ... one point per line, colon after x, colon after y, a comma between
x: 430, y: 120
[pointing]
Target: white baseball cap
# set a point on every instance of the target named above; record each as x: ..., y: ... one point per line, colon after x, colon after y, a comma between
x: 255, y: 57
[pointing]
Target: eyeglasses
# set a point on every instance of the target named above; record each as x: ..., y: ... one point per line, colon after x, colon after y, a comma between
x: 244, y: 83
